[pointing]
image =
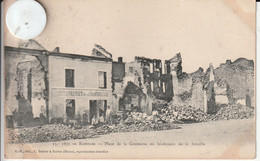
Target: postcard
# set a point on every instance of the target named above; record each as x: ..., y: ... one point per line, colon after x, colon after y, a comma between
x: 132, y: 79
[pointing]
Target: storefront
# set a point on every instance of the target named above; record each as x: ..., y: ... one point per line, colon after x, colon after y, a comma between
x: 79, y: 85
x: 73, y: 102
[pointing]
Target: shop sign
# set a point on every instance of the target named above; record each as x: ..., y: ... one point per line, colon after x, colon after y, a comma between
x: 79, y: 93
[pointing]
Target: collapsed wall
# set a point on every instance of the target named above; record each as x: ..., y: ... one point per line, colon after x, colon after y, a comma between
x: 148, y: 80
x: 236, y: 80
x: 26, y: 82
x: 230, y: 83
x: 195, y: 89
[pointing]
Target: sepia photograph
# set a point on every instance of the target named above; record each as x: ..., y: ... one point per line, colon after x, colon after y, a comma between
x: 130, y: 79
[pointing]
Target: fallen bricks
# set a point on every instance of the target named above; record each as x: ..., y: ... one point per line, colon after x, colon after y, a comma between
x: 59, y: 132
x: 47, y: 133
x: 135, y: 122
x: 135, y: 127
x: 173, y: 113
x: 235, y: 111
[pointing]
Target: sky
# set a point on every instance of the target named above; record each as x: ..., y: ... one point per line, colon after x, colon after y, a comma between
x: 203, y: 31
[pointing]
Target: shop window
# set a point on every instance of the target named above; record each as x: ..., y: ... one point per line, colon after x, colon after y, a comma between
x: 69, y: 80
x: 102, y: 79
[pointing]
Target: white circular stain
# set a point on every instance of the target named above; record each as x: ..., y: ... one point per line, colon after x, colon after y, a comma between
x: 26, y: 19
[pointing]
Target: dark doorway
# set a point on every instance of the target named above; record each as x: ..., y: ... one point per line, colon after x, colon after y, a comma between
x: 92, y: 110
x: 102, y: 107
x: 70, y: 108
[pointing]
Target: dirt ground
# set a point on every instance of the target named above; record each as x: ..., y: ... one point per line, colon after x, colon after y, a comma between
x: 216, y: 139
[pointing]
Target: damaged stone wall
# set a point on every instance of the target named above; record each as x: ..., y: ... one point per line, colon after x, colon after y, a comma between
x: 18, y: 64
x: 134, y: 77
x: 237, y: 78
x: 221, y: 93
x: 146, y: 75
x: 118, y: 75
x: 192, y: 89
x: 232, y: 82
x: 157, y: 84
x: 31, y: 86
x: 189, y: 90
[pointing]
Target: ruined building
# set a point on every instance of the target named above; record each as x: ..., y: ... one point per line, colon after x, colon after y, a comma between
x: 55, y: 85
x: 145, y: 80
x: 235, y: 82
x: 137, y: 84
x: 195, y: 89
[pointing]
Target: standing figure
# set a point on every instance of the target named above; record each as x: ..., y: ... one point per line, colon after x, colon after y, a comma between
x: 93, y: 121
x: 78, y: 118
x: 85, y: 118
x: 101, y: 119
x: 155, y: 115
x: 108, y: 115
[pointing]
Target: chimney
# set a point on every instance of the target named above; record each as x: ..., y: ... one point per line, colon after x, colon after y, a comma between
x: 120, y: 59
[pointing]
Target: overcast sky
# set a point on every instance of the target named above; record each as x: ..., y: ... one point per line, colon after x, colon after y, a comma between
x: 203, y: 31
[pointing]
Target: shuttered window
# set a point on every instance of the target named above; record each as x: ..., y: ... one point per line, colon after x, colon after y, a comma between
x: 102, y: 79
x: 69, y: 77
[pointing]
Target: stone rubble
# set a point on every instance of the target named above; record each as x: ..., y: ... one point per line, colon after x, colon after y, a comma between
x: 174, y: 113
x: 47, y: 133
x: 59, y: 132
x: 168, y: 116
x: 236, y: 111
x: 182, y: 114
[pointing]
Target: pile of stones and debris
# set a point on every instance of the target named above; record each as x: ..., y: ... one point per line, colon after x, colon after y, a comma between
x: 234, y: 111
x: 168, y: 116
x: 181, y: 114
x: 59, y: 132
x: 47, y: 133
x: 135, y: 127
x: 136, y: 117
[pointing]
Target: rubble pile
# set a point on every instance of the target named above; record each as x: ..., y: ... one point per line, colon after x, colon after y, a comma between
x: 172, y: 113
x: 136, y: 122
x: 136, y: 117
x: 168, y: 114
x: 235, y: 111
x: 135, y: 127
x: 59, y: 132
x: 48, y: 133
